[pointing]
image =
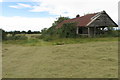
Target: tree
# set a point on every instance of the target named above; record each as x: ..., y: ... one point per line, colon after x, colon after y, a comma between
x: 3, y: 34
x: 23, y: 32
x: 13, y: 34
x: 68, y: 30
x: 59, y: 20
x: 36, y: 32
x: 29, y: 32
x: 52, y: 30
x: 44, y: 30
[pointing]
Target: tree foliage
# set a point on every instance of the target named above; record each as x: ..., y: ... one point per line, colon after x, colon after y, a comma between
x: 3, y: 34
x: 59, y: 20
x: 43, y: 31
x: 52, y: 30
x: 68, y: 30
x: 29, y: 32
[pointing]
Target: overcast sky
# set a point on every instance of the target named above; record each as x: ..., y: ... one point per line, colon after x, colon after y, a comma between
x: 38, y: 14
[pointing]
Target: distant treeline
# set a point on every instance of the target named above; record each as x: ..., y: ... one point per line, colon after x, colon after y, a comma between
x: 23, y: 32
x: 68, y: 30
x: 13, y: 34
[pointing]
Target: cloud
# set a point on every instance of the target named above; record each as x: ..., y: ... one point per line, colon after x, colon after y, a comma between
x: 24, y: 5
x: 24, y: 23
x: 72, y: 7
x: 67, y: 8
x: 17, y: 0
x: 21, y: 5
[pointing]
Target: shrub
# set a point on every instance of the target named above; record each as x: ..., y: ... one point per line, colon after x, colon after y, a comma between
x: 29, y: 32
x: 68, y: 30
x: 47, y: 38
x: 112, y: 33
x: 17, y: 37
x: 52, y: 32
x: 3, y: 34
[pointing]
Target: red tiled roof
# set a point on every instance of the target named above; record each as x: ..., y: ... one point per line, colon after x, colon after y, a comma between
x: 81, y: 21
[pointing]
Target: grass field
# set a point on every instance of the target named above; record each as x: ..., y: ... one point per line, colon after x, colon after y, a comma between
x: 92, y: 58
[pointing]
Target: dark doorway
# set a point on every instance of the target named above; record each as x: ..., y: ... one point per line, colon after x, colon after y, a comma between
x: 80, y: 30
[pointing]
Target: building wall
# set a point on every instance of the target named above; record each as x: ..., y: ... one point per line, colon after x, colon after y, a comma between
x: 97, y: 25
x: 90, y: 31
x: 103, y: 20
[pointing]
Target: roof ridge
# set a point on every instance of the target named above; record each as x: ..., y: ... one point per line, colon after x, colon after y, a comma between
x: 82, y: 20
x: 83, y: 16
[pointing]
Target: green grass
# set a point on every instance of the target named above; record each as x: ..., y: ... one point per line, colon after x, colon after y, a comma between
x: 84, y: 40
x: 40, y: 42
x: 76, y: 58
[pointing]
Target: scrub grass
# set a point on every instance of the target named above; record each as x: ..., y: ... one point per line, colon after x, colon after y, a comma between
x: 60, y: 41
x: 88, y: 58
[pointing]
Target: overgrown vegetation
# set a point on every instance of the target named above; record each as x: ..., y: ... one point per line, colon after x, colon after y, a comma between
x: 17, y: 37
x: 61, y: 41
x: 110, y: 33
x: 3, y: 34
x: 68, y: 30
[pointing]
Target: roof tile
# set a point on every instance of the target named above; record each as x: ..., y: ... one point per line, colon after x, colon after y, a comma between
x: 81, y: 21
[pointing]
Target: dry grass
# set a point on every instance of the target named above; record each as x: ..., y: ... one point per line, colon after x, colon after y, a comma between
x: 87, y: 60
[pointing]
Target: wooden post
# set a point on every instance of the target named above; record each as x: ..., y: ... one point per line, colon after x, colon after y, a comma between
x: 103, y: 30
x: 88, y: 32
x: 94, y: 31
x: 77, y: 30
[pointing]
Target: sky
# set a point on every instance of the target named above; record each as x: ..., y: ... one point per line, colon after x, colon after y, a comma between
x: 38, y: 14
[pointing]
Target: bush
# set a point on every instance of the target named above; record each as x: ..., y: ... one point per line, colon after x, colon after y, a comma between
x: 17, y: 37
x: 68, y: 30
x: 113, y: 33
x: 52, y: 32
x: 47, y: 38
x: 3, y: 34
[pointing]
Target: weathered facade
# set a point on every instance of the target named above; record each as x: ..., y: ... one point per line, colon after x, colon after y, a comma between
x: 91, y: 24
